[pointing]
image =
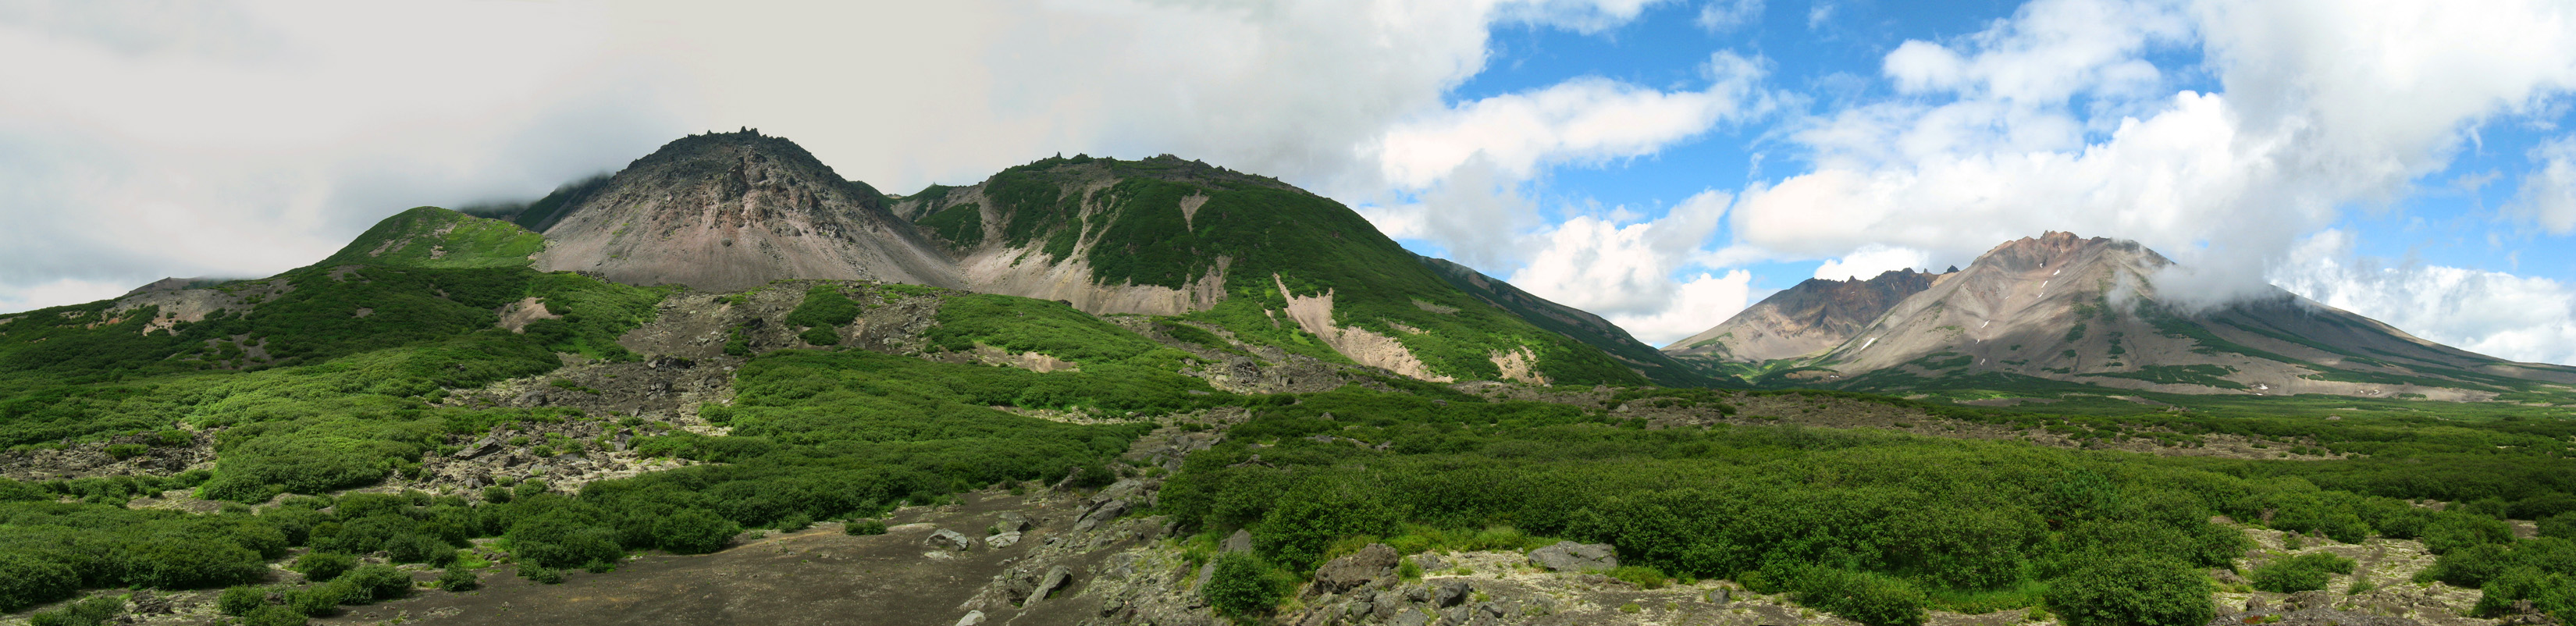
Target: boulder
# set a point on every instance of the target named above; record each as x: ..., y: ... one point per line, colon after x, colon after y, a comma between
x: 1451, y: 593
x: 480, y: 447
x: 950, y: 539
x: 972, y: 618
x: 1373, y: 563
x: 1240, y: 541
x: 1011, y: 522
x: 1056, y: 578
x: 1108, y: 511
x: 1568, y: 556
x: 1003, y: 540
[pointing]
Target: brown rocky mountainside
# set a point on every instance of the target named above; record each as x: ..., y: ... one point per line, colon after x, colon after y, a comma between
x: 1814, y: 315
x: 730, y: 211
x: 2083, y: 310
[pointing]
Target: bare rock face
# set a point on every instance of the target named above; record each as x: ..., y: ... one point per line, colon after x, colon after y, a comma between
x: 1568, y: 556
x: 731, y: 211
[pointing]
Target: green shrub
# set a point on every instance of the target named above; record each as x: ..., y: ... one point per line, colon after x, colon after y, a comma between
x: 374, y: 583
x: 274, y: 615
x: 697, y: 531
x: 324, y: 566
x: 823, y: 307
x: 26, y: 581
x: 1641, y: 576
x: 2306, y: 572
x: 90, y: 612
x: 864, y: 527
x: 2469, y: 567
x: 241, y: 600
x: 541, y: 574
x: 1240, y: 587
x: 1866, y: 597
x: 563, y: 538
x: 2562, y: 526
x: 821, y: 336
x: 2132, y: 590
x: 316, y: 600
x: 458, y: 580
x: 794, y: 522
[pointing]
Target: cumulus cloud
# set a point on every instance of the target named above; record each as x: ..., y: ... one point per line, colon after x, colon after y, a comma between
x: 2055, y: 120
x: 1626, y: 272
x: 1586, y: 119
x: 240, y: 139
x: 1468, y: 167
x: 2548, y: 195
x: 246, y: 137
x: 1724, y: 15
x: 2494, y: 313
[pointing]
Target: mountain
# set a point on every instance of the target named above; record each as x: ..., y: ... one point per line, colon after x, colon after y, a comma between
x: 1262, y: 260
x: 2074, y: 310
x: 730, y: 211
x: 1813, y: 315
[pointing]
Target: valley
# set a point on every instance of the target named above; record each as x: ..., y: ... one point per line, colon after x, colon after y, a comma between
x: 727, y: 386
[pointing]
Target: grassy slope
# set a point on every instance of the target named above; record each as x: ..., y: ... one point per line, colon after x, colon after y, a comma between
x: 1267, y: 229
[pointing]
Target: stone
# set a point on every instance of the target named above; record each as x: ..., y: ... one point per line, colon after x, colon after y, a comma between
x: 480, y: 447
x: 972, y: 618
x: 1240, y: 541
x: 1719, y: 595
x: 1568, y: 556
x: 1411, y: 618
x: 1056, y: 578
x: 1003, y: 540
x: 1430, y: 562
x: 951, y: 539
x: 1108, y: 511
x: 1372, y: 563
x: 1011, y: 522
x: 1451, y: 593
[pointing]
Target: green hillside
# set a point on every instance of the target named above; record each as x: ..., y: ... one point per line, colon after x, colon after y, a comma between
x: 1133, y: 230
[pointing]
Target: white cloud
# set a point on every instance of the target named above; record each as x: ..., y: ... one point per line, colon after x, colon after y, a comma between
x: 1694, y: 306
x: 1869, y: 261
x: 245, y: 137
x: 2054, y: 120
x: 1719, y: 16
x: 1586, y: 119
x: 59, y: 292
x: 2493, y: 313
x: 2548, y: 195
x: 1626, y: 273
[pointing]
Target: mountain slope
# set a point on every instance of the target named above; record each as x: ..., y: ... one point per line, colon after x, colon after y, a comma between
x: 1813, y: 315
x: 1264, y: 260
x: 730, y: 211
x: 2077, y: 310
x: 1574, y: 323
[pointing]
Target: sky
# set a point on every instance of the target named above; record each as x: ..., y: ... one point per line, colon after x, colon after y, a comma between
x: 1663, y: 163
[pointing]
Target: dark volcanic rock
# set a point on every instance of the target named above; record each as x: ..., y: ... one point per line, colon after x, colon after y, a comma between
x: 1373, y: 563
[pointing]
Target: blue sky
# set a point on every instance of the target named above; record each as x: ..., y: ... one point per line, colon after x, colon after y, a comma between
x: 1661, y: 162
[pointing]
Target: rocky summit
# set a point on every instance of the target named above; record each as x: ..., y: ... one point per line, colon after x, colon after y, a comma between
x: 727, y: 386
